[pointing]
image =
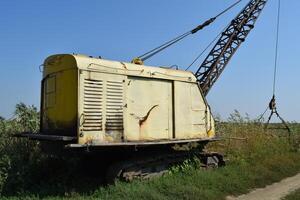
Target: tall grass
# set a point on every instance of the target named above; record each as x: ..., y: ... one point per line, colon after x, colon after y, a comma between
x: 256, y: 157
x: 249, y: 139
x: 293, y: 196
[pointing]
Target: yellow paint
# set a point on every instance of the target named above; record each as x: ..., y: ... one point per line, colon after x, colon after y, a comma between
x: 210, y: 133
x: 148, y: 113
x: 137, y: 61
x: 103, y: 101
x: 60, y: 76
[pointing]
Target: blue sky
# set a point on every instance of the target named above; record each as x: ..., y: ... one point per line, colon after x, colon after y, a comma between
x: 120, y: 30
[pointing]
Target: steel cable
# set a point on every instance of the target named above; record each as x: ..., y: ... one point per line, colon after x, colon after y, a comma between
x: 158, y: 49
x: 276, y: 48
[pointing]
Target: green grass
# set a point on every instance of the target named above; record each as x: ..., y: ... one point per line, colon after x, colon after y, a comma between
x: 293, y: 196
x: 197, y: 184
x: 257, y: 157
x: 193, y: 184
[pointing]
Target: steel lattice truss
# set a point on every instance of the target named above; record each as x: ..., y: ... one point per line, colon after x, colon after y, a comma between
x: 228, y: 43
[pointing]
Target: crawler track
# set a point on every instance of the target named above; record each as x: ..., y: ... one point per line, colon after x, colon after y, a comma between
x: 158, y: 164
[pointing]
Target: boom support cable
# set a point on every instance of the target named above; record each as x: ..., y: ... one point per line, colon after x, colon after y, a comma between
x: 230, y: 40
x: 149, y: 54
x: 205, y: 49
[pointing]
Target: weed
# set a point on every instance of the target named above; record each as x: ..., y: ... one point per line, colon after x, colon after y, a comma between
x: 256, y: 157
x: 293, y: 196
x: 185, y: 166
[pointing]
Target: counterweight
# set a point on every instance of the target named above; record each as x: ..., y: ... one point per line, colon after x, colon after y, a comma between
x: 236, y: 33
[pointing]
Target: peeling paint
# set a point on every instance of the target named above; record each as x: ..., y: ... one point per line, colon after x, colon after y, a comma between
x: 113, y: 102
x: 143, y: 119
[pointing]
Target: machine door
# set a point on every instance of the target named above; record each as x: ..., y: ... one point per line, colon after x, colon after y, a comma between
x: 149, y: 109
x: 190, y: 112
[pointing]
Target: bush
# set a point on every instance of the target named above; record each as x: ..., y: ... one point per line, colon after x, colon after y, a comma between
x: 17, y: 156
x: 256, y: 157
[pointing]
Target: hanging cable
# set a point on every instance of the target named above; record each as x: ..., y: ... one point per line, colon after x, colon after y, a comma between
x: 272, y: 103
x: 276, y: 48
x: 260, y: 117
x: 149, y: 54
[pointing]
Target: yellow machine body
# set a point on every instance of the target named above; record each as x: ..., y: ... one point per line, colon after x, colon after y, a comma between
x: 102, y: 102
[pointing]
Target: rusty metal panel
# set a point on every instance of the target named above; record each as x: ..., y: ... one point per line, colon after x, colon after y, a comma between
x: 211, y: 132
x: 122, y: 102
x: 149, y: 109
x: 100, y: 107
x: 50, y: 91
x: 59, y: 99
x: 190, y: 111
x: 129, y: 69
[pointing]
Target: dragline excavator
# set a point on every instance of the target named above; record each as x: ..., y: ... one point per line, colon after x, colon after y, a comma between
x: 140, y: 115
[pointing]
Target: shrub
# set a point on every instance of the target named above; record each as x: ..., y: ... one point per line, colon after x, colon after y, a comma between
x: 16, y: 156
x: 256, y: 156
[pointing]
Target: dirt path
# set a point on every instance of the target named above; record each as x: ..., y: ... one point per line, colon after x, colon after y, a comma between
x: 272, y: 192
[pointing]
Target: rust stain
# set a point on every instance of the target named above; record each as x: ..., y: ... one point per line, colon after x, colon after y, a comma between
x: 88, y: 140
x: 143, y: 119
x: 123, y: 65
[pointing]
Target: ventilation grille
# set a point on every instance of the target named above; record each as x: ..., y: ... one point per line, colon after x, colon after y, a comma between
x: 93, y: 93
x: 114, y: 106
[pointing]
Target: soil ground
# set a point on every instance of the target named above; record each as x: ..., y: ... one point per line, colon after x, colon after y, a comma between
x: 272, y: 192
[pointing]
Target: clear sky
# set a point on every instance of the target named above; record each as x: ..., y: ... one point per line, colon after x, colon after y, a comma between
x: 120, y: 30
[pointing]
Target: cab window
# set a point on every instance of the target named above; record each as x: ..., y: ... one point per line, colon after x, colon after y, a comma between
x: 49, y: 91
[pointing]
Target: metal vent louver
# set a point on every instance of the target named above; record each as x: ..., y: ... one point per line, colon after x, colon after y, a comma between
x: 93, y: 99
x: 114, y: 106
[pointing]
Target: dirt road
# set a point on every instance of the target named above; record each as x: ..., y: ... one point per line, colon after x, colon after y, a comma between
x: 275, y: 191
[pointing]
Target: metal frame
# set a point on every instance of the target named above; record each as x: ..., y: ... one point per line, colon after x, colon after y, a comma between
x: 212, y: 67
x: 142, y: 143
x: 43, y: 137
